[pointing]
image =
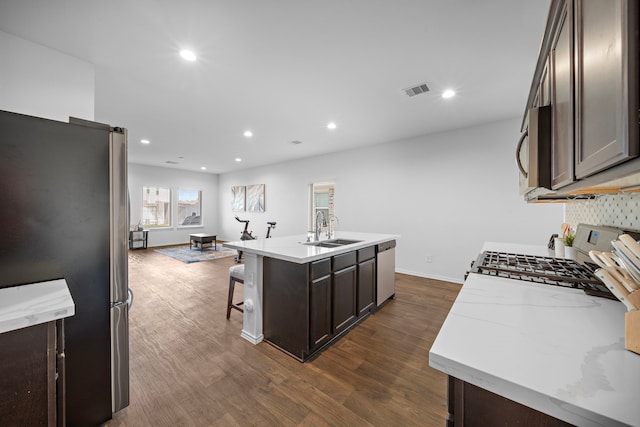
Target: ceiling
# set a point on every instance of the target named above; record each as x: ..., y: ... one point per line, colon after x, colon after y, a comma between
x: 285, y: 68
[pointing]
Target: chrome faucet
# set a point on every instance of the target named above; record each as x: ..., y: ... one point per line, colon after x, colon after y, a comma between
x: 319, y: 224
x: 332, y: 218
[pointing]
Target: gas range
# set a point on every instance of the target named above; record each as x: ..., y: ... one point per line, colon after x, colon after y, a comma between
x: 578, y: 274
x: 539, y: 269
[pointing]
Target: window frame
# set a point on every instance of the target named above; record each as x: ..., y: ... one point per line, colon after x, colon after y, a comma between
x: 179, y: 216
x: 145, y: 220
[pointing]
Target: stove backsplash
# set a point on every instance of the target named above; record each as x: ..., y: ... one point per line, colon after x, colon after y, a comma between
x: 616, y: 210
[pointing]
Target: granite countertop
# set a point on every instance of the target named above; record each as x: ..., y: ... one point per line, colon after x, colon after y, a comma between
x: 291, y: 248
x: 554, y: 349
x: 28, y: 305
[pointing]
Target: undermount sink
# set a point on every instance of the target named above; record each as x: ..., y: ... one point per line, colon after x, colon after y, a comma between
x: 334, y: 243
x: 341, y: 242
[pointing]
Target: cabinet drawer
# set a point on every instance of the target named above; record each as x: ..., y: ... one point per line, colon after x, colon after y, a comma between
x: 320, y: 268
x: 344, y: 260
x: 366, y: 253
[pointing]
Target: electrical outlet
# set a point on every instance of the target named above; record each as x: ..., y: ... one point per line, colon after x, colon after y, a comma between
x: 429, y: 258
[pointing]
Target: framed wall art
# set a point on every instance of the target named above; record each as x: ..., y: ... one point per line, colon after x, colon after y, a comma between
x: 255, y: 198
x: 238, y: 198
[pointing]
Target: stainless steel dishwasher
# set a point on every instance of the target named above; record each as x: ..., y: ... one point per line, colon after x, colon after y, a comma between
x: 386, y: 280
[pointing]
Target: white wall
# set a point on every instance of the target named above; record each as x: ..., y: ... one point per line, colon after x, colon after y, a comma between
x: 42, y: 82
x: 445, y: 194
x: 140, y: 176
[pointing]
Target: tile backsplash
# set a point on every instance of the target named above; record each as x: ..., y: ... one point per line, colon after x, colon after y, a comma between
x: 616, y: 210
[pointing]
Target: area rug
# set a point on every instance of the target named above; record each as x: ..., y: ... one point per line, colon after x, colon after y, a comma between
x: 184, y: 254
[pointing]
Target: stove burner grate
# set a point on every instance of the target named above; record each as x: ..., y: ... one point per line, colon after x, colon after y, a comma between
x: 540, y: 269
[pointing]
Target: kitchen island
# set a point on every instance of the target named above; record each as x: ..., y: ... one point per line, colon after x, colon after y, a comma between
x: 554, y: 354
x: 301, y: 296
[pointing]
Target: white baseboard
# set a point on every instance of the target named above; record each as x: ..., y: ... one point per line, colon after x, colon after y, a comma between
x: 431, y: 276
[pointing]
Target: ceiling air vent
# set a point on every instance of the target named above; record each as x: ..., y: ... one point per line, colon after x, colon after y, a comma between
x: 171, y: 162
x: 417, y: 90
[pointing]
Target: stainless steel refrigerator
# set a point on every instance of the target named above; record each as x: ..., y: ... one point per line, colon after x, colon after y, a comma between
x: 120, y: 298
x: 64, y: 214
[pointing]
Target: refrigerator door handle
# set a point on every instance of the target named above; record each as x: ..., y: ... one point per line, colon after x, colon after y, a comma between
x: 129, y: 300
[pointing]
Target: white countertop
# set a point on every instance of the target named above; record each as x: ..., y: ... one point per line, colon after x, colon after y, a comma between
x: 554, y: 349
x: 291, y: 248
x: 28, y: 305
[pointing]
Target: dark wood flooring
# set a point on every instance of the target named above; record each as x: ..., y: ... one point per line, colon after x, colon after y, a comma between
x: 190, y: 367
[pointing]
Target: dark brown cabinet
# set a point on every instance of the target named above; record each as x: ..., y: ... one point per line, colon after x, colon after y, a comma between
x: 471, y: 406
x: 286, y: 305
x: 307, y: 306
x: 344, y: 280
x: 366, y: 292
x: 544, y: 92
x: 543, y: 89
x: 320, y: 312
x: 344, y: 299
x: 606, y: 72
x: 561, y: 59
x: 28, y: 384
x: 589, y: 62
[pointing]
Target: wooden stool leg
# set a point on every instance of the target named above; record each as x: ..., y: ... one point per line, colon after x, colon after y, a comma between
x: 230, y: 298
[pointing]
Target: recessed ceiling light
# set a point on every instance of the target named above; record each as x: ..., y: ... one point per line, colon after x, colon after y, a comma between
x: 204, y: 168
x: 238, y: 159
x: 248, y: 133
x: 188, y: 55
x: 331, y: 125
x: 145, y: 141
x: 448, y: 93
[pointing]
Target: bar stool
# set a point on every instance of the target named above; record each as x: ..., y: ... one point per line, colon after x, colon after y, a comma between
x: 236, y: 274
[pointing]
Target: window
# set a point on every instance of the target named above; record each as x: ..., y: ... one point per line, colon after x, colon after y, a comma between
x: 156, y: 207
x: 189, y: 208
x: 322, y: 204
x: 321, y: 201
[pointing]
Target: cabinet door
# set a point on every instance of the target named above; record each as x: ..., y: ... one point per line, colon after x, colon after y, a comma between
x: 562, y: 102
x: 472, y: 406
x: 603, y: 94
x: 27, y: 376
x: 544, y: 90
x: 344, y: 298
x: 366, y: 285
x: 320, y: 312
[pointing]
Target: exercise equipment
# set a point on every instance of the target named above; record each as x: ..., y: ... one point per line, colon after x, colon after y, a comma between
x: 248, y: 235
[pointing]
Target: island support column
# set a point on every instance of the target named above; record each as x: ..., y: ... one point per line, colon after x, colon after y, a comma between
x: 252, y: 316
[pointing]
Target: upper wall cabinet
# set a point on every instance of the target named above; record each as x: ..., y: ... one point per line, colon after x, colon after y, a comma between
x: 606, y: 84
x: 562, y: 135
x: 587, y: 71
